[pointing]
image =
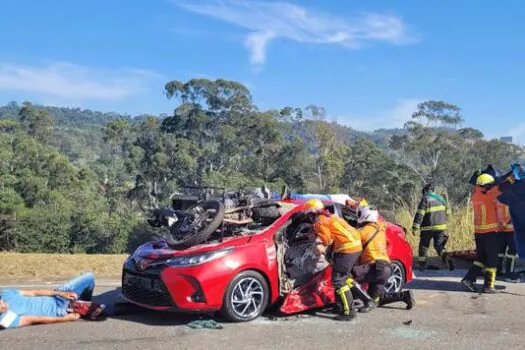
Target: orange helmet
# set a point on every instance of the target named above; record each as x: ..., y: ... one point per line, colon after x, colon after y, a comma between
x: 313, y: 205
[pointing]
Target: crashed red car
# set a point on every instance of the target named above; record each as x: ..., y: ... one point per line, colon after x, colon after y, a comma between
x: 242, y: 275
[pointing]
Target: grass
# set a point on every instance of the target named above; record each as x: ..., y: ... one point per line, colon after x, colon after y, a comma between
x: 14, y: 266
x: 460, y: 228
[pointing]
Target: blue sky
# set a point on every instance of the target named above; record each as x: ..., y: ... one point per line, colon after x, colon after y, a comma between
x: 367, y: 62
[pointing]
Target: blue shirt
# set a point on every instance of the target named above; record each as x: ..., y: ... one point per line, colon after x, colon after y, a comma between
x: 19, y: 306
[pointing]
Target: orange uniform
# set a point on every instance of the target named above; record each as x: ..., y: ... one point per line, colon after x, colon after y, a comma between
x: 490, y: 215
x: 335, y: 230
x: 376, y: 248
x: 485, y: 210
x: 504, y: 218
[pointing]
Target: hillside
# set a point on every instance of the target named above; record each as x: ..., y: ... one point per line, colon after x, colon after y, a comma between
x: 75, y: 180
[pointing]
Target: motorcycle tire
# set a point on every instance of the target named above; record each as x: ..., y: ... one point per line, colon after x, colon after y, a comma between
x: 202, y: 235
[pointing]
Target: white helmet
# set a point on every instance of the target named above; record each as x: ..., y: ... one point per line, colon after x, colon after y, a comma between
x: 365, y: 214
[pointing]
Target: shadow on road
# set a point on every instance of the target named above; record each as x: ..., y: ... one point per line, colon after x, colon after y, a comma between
x: 118, y: 309
x: 431, y: 281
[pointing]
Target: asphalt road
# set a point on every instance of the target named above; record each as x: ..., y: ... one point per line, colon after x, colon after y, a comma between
x: 445, y: 317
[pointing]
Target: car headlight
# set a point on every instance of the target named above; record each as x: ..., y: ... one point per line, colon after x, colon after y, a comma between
x: 193, y: 260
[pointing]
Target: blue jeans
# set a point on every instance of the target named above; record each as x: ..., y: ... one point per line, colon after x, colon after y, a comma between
x: 82, y: 286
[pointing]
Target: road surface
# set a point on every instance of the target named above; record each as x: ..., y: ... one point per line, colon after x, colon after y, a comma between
x: 445, y: 317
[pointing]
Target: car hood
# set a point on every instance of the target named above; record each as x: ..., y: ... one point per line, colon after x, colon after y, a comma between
x: 160, y: 250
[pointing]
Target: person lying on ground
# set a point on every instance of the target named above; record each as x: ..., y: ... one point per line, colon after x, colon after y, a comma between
x: 20, y: 308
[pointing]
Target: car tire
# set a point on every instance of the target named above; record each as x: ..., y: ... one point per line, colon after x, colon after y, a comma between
x: 397, y: 278
x: 238, y: 309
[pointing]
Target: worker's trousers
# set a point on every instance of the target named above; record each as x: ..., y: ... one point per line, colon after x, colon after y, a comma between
x: 342, y: 281
x: 376, y: 275
x: 440, y: 240
x: 488, y: 246
x: 508, y: 254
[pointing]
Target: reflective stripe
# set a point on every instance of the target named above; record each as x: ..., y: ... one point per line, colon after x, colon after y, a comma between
x: 478, y: 264
x: 350, y: 282
x: 421, y: 211
x: 483, y: 215
x: 348, y: 246
x: 434, y: 228
x: 512, y: 262
x: 417, y: 226
x: 487, y: 227
x: 342, y: 293
x: 436, y: 208
x: 421, y: 258
x: 491, y: 272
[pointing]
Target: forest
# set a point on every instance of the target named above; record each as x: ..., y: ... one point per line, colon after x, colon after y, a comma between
x: 74, y: 180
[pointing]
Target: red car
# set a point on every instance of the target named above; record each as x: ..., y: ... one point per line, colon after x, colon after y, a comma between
x: 242, y: 275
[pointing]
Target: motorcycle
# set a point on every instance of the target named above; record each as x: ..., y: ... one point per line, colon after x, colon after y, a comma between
x: 193, y: 219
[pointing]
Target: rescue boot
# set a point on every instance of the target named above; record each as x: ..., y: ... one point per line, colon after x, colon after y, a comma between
x: 469, y: 281
x: 346, y: 317
x: 406, y: 296
x: 471, y: 286
x: 369, y: 305
x: 447, y: 260
x: 421, y: 264
x: 490, y: 281
x: 359, y: 292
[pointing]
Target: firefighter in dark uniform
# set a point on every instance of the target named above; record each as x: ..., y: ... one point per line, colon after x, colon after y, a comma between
x: 431, y: 221
x: 345, y: 243
x: 374, y: 264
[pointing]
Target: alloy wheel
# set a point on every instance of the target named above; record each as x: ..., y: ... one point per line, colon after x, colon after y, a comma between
x: 247, y: 297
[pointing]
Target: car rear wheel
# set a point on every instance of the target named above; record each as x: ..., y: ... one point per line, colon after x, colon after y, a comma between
x: 397, y: 278
x: 246, y: 297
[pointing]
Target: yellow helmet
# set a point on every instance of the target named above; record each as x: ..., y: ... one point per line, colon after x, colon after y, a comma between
x: 313, y: 205
x: 485, y: 179
x: 363, y: 203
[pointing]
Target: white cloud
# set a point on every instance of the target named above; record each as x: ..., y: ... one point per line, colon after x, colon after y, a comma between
x: 256, y: 43
x: 269, y: 20
x: 394, y: 117
x: 69, y: 82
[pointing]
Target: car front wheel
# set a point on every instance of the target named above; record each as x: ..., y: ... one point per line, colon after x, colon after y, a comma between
x: 396, y: 281
x: 246, y: 297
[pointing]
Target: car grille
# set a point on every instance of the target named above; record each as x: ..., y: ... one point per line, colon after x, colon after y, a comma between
x: 145, y: 289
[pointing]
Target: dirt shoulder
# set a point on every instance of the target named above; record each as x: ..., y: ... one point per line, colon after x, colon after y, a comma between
x: 16, y: 267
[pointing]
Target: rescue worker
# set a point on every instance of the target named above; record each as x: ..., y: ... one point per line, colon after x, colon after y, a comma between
x: 374, y: 264
x: 509, y: 251
x: 431, y: 221
x: 345, y: 243
x: 488, y: 239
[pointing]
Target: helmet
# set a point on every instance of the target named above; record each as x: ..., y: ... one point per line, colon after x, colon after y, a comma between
x: 363, y: 202
x: 485, y: 179
x: 313, y: 205
x: 365, y: 214
x: 428, y: 188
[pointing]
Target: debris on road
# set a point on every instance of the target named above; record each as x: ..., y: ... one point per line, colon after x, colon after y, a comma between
x: 407, y: 323
x: 205, y: 324
x: 288, y: 318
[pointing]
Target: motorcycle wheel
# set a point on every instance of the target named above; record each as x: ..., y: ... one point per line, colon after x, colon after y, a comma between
x: 215, y: 214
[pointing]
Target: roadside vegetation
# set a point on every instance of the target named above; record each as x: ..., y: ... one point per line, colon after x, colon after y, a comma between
x: 77, y: 181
